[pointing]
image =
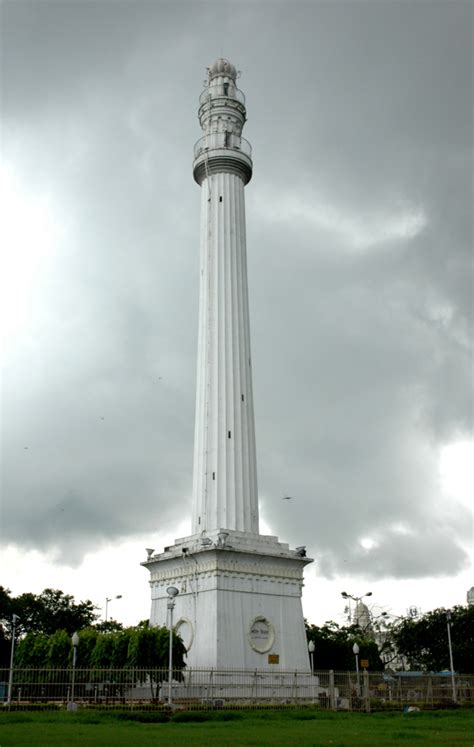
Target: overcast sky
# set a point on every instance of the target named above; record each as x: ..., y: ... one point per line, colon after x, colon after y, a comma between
x: 359, y: 232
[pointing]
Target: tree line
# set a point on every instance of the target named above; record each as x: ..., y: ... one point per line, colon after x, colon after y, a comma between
x: 140, y: 647
x: 46, y: 622
x: 416, y: 644
x: 333, y: 647
x: 423, y: 641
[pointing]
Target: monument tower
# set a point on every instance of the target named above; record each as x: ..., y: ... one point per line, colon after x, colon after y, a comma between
x: 239, y: 601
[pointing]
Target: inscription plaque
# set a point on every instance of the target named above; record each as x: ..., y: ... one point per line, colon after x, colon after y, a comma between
x: 261, y: 634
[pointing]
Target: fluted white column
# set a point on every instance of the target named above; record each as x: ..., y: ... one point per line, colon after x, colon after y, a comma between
x: 225, y: 474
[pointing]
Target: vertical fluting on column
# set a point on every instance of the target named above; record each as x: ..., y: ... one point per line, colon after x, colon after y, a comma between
x: 225, y: 474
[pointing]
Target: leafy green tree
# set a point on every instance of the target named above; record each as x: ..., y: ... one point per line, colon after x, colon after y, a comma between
x: 32, y: 651
x: 108, y: 626
x: 333, y: 647
x: 29, y: 611
x: 5, y: 604
x: 46, y: 612
x: 423, y: 641
x: 5, y: 648
x: 5, y: 626
x: 121, y: 646
x: 149, y: 649
x: 59, y: 650
x: 87, y: 642
x: 103, y: 652
x: 141, y: 647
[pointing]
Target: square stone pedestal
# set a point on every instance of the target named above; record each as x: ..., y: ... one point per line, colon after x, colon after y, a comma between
x: 239, y: 601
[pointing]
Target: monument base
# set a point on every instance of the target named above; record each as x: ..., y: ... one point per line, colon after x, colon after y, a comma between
x: 215, y: 689
x: 239, y: 601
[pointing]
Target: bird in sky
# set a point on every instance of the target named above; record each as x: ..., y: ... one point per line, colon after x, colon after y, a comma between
x: 287, y: 498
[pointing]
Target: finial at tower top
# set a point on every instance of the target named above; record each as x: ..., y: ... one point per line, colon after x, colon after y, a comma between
x: 222, y: 67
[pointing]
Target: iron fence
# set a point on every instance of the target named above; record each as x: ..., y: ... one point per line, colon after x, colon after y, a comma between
x: 212, y: 688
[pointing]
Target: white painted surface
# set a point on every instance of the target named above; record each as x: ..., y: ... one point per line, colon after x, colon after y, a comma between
x: 239, y: 595
x: 224, y: 590
x: 225, y: 471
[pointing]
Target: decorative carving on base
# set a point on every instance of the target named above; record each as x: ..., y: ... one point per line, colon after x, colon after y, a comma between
x: 261, y: 634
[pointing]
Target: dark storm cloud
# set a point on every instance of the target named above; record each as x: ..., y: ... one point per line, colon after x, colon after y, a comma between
x: 359, y: 223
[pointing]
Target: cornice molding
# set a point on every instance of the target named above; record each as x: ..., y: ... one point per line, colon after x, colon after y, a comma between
x: 282, y: 570
x: 231, y: 163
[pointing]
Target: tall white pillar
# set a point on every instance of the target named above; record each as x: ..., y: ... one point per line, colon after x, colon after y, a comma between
x: 239, y: 602
x: 225, y: 473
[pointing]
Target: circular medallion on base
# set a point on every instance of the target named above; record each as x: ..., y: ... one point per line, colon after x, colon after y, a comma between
x: 261, y: 634
x: 184, y: 628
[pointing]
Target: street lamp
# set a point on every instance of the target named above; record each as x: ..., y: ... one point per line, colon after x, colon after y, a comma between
x: 453, y: 682
x: 172, y: 592
x: 12, y: 654
x: 107, y: 600
x: 311, y: 648
x: 355, y: 649
x: 72, y: 706
x: 345, y: 595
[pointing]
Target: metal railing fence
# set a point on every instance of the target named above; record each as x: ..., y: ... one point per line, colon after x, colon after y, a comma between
x: 217, y: 140
x: 211, y: 688
x: 216, y: 92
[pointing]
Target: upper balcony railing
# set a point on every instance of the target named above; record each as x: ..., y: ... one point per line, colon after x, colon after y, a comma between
x: 215, y: 92
x: 222, y: 140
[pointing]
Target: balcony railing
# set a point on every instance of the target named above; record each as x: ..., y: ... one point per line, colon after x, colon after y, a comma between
x: 216, y: 92
x: 218, y: 141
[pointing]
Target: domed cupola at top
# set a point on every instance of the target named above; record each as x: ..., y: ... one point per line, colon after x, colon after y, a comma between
x: 222, y: 115
x: 222, y: 67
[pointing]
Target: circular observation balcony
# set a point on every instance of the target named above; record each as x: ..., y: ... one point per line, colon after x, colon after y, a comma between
x: 219, y: 140
x: 223, y: 90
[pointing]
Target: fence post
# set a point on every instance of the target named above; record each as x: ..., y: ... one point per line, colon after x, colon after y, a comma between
x: 188, y: 675
x: 253, y: 691
x: 295, y: 687
x: 366, y: 690
x: 332, y: 694
x: 429, y: 692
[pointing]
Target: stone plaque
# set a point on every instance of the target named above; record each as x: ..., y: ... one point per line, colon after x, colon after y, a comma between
x: 261, y: 634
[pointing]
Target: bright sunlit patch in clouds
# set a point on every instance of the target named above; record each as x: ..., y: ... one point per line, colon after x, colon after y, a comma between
x: 368, y: 543
x: 29, y: 233
x: 358, y: 231
x: 399, y: 528
x: 456, y: 470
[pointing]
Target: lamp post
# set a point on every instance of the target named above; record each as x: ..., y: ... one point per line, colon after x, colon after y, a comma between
x: 355, y: 649
x: 345, y: 595
x: 72, y: 706
x: 311, y: 648
x: 172, y: 592
x: 107, y: 600
x: 12, y: 654
x: 451, y: 665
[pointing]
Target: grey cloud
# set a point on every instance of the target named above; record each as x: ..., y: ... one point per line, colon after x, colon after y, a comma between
x: 361, y: 358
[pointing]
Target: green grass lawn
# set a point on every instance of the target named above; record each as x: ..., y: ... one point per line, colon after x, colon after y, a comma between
x: 288, y: 728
